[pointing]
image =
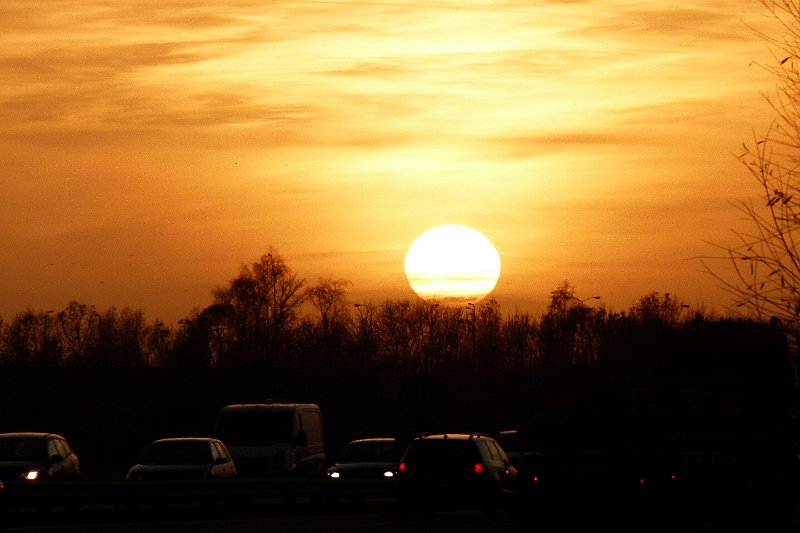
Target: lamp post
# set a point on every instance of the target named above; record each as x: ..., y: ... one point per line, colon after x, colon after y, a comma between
x: 579, y: 300
x: 471, y: 306
x: 431, y: 336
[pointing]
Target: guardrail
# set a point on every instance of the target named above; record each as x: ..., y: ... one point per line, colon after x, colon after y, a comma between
x: 76, y: 501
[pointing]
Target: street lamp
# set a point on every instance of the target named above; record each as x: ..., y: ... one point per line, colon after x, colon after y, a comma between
x: 471, y: 306
x: 431, y: 339
x: 584, y: 299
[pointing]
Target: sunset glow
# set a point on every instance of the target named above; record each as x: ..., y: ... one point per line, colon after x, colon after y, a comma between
x: 149, y: 149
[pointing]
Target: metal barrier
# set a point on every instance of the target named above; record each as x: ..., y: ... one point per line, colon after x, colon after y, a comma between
x: 77, y: 501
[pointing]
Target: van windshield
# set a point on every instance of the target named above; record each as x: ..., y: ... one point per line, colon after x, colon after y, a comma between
x: 254, y: 427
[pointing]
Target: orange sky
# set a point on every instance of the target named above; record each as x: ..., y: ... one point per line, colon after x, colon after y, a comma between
x: 149, y: 149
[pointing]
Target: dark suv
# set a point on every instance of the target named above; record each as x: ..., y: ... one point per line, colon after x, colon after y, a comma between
x: 447, y: 471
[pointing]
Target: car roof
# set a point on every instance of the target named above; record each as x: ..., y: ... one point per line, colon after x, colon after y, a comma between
x: 187, y: 439
x: 288, y: 407
x: 29, y: 435
x: 374, y: 439
x: 454, y: 436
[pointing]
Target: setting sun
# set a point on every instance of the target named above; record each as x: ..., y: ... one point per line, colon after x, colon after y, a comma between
x: 452, y: 263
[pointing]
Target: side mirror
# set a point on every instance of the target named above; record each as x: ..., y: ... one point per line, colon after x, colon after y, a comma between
x: 301, y: 439
x: 220, y: 461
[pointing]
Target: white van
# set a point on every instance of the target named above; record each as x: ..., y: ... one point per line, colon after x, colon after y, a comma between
x: 273, y: 439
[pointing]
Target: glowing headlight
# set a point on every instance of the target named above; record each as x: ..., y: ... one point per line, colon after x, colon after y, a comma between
x: 30, y: 475
x: 388, y: 473
x: 335, y: 475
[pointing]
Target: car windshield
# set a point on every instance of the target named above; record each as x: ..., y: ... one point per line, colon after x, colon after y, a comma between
x: 254, y: 427
x: 23, y: 449
x: 369, y: 451
x: 176, y: 453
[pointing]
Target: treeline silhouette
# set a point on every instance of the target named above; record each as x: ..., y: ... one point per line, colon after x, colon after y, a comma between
x: 267, y: 316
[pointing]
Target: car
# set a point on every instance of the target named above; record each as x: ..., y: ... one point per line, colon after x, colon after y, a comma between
x: 183, y: 458
x: 460, y: 470
x: 539, y: 471
x: 36, y: 457
x: 372, y: 458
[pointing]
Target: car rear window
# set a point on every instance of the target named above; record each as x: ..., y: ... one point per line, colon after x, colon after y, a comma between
x: 442, y: 452
x: 176, y: 453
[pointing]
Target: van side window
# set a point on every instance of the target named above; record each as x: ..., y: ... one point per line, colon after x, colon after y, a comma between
x: 310, y: 423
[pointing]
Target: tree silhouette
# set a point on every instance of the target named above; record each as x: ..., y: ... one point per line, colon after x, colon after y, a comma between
x: 263, y: 302
x: 764, y: 263
x: 565, y: 335
x: 328, y: 337
x: 78, y: 324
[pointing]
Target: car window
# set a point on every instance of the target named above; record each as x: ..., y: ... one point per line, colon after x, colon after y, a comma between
x: 223, y: 451
x: 497, y: 451
x: 500, y: 452
x: 487, y: 451
x: 52, y: 448
x: 214, y: 451
x: 441, y: 452
x: 65, y: 447
x: 59, y: 446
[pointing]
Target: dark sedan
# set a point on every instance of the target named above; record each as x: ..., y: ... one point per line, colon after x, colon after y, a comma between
x: 183, y: 458
x: 36, y: 457
x: 374, y: 458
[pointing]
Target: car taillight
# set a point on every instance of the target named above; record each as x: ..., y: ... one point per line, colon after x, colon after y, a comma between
x: 401, y: 467
x: 477, y: 468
